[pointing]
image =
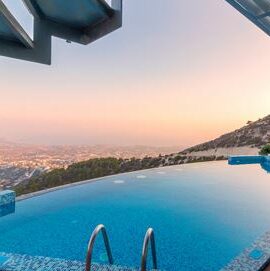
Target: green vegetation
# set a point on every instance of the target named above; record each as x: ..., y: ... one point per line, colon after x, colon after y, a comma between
x: 85, y: 170
x: 265, y: 150
x: 101, y: 167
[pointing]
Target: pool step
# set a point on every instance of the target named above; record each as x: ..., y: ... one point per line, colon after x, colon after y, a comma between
x: 17, y: 262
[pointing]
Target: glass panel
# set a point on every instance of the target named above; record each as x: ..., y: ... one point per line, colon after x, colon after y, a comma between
x: 5, y: 31
x: 79, y: 13
x: 264, y: 4
x: 22, y: 15
x: 266, y: 22
x: 255, y: 7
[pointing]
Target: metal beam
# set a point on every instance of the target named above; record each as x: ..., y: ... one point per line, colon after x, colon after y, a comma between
x: 39, y: 50
x: 40, y: 53
x: 264, y: 15
x: 15, y: 28
x: 247, y: 14
x: 72, y: 32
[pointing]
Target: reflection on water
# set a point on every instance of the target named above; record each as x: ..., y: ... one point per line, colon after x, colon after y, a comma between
x: 264, y: 161
x: 7, y: 209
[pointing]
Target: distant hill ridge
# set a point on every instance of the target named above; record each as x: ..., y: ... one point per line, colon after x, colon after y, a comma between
x: 246, y: 140
x: 253, y: 135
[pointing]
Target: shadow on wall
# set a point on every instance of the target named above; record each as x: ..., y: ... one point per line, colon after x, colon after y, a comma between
x: 7, y: 202
x: 7, y: 209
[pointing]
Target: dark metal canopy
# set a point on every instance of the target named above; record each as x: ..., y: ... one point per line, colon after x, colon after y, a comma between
x: 10, y: 29
x: 257, y: 11
x: 84, y: 21
x: 80, y: 21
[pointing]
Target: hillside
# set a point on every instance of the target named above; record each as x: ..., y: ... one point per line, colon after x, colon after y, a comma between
x: 246, y: 140
x: 100, y: 167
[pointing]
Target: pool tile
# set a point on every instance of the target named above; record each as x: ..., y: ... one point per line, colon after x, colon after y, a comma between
x: 16, y: 262
x: 253, y: 258
x: 7, y: 197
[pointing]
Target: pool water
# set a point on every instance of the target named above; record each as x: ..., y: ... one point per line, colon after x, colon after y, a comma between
x: 203, y: 216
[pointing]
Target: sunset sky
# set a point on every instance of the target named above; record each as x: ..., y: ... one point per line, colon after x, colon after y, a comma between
x: 177, y: 73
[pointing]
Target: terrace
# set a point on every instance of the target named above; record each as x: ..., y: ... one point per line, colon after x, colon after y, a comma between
x: 84, y: 22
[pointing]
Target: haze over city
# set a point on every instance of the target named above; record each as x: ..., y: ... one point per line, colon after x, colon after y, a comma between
x: 159, y: 80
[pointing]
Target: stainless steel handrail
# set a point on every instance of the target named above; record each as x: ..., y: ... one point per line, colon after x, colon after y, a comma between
x: 98, y: 229
x: 149, y: 236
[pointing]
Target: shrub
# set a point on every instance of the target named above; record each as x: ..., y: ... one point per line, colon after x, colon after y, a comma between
x: 265, y: 150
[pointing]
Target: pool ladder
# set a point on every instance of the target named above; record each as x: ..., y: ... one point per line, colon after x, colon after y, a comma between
x: 148, y: 239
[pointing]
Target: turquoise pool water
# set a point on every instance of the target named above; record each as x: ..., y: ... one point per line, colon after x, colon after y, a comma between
x: 203, y: 215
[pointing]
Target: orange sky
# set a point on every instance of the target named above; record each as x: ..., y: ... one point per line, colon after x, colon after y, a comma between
x: 157, y: 81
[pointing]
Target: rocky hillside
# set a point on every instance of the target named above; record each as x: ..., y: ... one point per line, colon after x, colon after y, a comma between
x: 246, y: 140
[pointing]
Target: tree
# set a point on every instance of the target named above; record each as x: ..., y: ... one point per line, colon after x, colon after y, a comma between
x: 265, y: 150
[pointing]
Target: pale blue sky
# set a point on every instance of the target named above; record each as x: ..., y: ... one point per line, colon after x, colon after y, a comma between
x: 178, y: 72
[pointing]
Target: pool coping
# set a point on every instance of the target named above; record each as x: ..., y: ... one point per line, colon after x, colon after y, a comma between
x: 53, y: 189
x: 19, y: 262
x: 61, y: 187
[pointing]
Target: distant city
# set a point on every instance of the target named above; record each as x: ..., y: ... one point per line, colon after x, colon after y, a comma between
x: 19, y: 162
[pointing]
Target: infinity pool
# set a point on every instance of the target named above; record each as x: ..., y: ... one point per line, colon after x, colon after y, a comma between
x: 203, y: 215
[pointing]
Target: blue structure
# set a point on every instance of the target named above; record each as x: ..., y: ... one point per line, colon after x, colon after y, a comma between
x: 7, y: 197
x: 266, y: 164
x: 80, y: 21
x: 246, y: 159
x: 264, y: 161
x: 7, y: 202
x: 7, y: 209
x: 257, y: 11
